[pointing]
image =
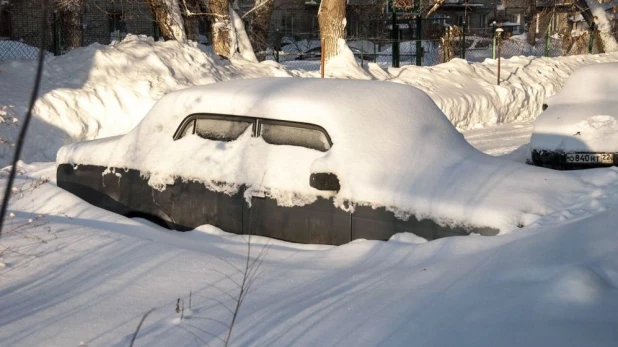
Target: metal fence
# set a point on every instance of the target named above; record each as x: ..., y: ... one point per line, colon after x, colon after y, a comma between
x: 302, y: 50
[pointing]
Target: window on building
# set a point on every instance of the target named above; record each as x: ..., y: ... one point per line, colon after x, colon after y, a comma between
x: 483, y: 21
x: 5, y: 22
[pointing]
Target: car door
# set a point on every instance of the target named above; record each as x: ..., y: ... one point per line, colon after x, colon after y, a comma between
x: 380, y: 224
x: 290, y: 149
x: 189, y: 203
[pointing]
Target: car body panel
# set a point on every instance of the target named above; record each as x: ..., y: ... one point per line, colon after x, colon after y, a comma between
x: 186, y: 205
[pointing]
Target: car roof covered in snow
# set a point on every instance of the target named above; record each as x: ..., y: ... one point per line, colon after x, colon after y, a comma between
x: 331, y: 103
x: 583, y: 115
x: 589, y: 84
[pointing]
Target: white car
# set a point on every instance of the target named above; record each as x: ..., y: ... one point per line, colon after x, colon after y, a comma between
x: 306, y: 160
x: 579, y: 125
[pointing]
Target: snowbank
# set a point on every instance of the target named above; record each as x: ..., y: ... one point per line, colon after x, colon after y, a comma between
x: 583, y: 116
x: 468, y: 92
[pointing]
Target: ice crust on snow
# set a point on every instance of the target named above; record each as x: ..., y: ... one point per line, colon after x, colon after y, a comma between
x: 583, y: 115
x: 397, y: 150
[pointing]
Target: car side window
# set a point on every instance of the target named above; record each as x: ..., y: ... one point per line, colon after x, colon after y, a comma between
x: 294, y: 134
x: 214, y: 127
x: 221, y: 129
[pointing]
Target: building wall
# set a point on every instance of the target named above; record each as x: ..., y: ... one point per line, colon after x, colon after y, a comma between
x: 26, y: 21
x: 97, y: 20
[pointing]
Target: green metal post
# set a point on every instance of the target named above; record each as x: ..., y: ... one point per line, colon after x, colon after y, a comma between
x: 463, y: 40
x: 591, y: 42
x: 419, y: 34
x: 375, y: 53
x: 362, y: 50
x: 493, y: 47
x: 547, y: 42
x: 395, y: 38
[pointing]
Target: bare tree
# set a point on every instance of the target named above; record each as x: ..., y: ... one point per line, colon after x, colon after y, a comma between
x: 167, y: 14
x: 331, y: 18
x: 260, y: 25
x: 71, y: 28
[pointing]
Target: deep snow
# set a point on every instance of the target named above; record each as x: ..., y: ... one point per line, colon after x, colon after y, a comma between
x: 73, y: 274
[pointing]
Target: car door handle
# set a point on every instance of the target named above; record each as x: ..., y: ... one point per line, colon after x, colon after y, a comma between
x: 259, y: 194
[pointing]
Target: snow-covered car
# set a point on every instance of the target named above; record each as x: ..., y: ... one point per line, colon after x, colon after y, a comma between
x: 579, y: 125
x: 307, y: 160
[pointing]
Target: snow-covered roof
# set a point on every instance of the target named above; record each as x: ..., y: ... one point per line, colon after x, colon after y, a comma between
x: 583, y: 115
x: 392, y: 147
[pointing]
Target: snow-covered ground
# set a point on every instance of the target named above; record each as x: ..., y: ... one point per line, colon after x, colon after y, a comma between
x: 73, y: 274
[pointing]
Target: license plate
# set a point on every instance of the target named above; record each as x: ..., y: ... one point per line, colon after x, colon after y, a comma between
x: 590, y: 158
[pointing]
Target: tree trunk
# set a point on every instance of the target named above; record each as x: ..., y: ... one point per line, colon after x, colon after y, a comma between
x: 331, y: 17
x: 259, y: 27
x: 71, y: 19
x: 191, y: 21
x: 167, y: 14
x: 221, y: 26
